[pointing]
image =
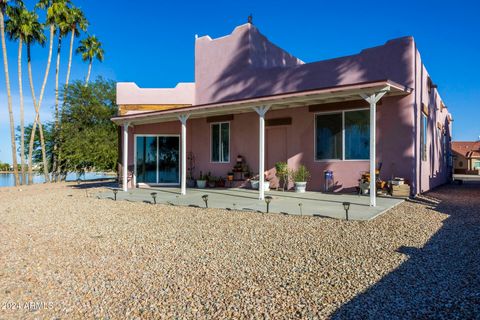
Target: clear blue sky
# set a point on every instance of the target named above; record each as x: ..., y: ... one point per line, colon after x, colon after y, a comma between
x: 151, y: 43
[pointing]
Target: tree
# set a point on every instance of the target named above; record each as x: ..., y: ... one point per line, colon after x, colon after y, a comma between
x: 3, y: 8
x: 54, y: 8
x: 75, y: 21
x: 34, y: 35
x: 90, y: 48
x: 17, y: 30
x: 90, y: 137
x: 63, y: 27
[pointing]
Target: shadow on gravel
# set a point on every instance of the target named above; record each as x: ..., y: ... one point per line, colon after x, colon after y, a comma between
x: 101, y: 183
x: 440, y: 280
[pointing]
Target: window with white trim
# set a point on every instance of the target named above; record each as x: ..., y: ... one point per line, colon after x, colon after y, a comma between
x: 342, y: 135
x: 220, y: 142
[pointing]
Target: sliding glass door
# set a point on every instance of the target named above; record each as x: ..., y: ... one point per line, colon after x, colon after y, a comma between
x: 157, y: 159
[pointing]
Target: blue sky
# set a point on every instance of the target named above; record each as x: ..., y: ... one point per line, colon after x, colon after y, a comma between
x: 151, y: 43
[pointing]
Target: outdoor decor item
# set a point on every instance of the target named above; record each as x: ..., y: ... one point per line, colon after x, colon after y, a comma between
x: 268, y: 199
x: 300, y: 177
x: 201, y: 181
x: 154, y: 197
x: 205, y: 199
x: 346, y: 207
x: 115, y: 190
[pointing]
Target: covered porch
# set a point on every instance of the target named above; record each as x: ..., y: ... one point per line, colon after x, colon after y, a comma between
x: 296, y: 102
x: 308, y: 203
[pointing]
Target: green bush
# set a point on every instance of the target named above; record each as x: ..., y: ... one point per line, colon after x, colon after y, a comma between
x: 301, y: 174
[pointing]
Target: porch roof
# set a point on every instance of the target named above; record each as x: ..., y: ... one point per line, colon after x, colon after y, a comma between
x: 278, y: 101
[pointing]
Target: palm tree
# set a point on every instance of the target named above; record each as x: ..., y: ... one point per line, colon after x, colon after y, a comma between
x: 62, y: 24
x: 90, y: 48
x: 3, y: 7
x: 76, y: 21
x: 16, y: 30
x: 33, y: 34
x: 54, y: 9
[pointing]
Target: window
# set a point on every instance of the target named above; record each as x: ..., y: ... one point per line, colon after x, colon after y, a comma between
x: 342, y: 136
x: 423, y: 138
x: 220, y: 143
x: 357, y: 135
x: 328, y: 136
x: 476, y: 164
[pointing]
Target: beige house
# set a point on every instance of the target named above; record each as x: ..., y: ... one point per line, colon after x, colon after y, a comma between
x: 466, y: 157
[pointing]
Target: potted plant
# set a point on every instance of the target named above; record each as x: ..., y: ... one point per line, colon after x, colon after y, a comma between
x: 300, y: 177
x: 230, y: 176
x: 212, y: 180
x: 254, y: 183
x: 281, y: 171
x: 202, y: 181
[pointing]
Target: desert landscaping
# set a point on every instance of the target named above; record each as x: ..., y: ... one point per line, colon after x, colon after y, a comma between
x: 66, y: 254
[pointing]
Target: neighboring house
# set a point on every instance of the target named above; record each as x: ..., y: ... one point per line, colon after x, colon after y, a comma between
x: 466, y: 157
x: 254, y: 99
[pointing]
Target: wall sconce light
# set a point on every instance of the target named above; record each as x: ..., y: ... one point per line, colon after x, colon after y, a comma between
x: 205, y: 199
x: 154, y: 197
x: 346, y: 207
x: 268, y: 199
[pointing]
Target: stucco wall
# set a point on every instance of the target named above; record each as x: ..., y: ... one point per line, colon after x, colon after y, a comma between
x: 393, y: 149
x: 434, y: 171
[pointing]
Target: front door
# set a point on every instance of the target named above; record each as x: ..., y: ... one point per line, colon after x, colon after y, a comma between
x: 157, y: 160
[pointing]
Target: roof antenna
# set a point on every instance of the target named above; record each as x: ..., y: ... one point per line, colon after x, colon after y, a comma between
x: 250, y: 18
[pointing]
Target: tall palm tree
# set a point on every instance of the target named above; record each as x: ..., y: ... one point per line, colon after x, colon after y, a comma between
x: 76, y: 21
x: 33, y: 34
x: 90, y: 48
x: 16, y: 30
x: 62, y: 24
x: 3, y: 8
x: 54, y: 8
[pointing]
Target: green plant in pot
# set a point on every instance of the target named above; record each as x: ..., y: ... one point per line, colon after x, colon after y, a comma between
x: 300, y: 178
x: 212, y: 181
x: 281, y: 171
x: 202, y: 181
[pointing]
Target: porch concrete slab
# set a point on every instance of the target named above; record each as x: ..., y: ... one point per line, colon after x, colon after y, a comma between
x: 308, y: 203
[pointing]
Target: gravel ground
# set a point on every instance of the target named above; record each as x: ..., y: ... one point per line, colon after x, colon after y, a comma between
x: 65, y: 254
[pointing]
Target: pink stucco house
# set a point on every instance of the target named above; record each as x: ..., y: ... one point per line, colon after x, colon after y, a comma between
x: 254, y: 99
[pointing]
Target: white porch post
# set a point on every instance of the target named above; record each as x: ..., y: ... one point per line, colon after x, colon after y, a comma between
x: 125, y: 157
x: 372, y: 100
x: 261, y: 150
x: 183, y: 119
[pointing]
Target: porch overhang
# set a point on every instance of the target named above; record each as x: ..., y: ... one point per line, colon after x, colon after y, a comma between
x: 279, y: 101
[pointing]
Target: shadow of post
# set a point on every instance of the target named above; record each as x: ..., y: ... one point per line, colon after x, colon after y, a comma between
x: 440, y: 279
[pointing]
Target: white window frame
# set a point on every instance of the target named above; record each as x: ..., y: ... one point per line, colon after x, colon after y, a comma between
x: 135, y: 160
x: 343, y: 134
x: 220, y: 141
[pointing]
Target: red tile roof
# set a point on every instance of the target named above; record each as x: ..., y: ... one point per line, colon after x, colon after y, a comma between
x: 468, y: 149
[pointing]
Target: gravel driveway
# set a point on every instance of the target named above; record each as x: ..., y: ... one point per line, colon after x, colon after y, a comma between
x: 66, y: 255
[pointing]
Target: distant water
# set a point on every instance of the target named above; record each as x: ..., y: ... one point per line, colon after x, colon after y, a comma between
x: 8, y: 179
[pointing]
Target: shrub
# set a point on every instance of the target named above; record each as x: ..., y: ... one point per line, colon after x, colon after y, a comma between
x: 301, y: 174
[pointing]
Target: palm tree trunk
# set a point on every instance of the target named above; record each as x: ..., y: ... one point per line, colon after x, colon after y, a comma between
x: 22, y: 114
x: 69, y: 68
x: 37, y: 110
x: 37, y: 119
x: 88, y: 73
x: 9, y: 98
x: 72, y: 38
x: 55, y: 143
